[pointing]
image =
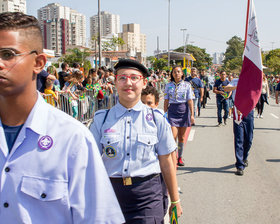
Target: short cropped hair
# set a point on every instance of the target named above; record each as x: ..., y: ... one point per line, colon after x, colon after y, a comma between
x: 151, y: 90
x: 19, y: 21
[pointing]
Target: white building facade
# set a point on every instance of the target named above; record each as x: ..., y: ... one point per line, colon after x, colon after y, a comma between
x: 13, y: 6
x: 135, y: 41
x: 110, y: 24
x: 218, y: 58
x: 61, y: 26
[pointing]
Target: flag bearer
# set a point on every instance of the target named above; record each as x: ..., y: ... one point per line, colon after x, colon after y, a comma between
x: 243, y: 128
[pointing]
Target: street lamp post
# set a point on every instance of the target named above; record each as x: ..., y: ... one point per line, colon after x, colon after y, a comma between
x: 168, y: 33
x: 99, y: 34
x: 184, y: 41
x: 272, y: 43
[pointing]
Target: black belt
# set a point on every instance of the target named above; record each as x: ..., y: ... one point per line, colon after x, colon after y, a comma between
x: 132, y: 180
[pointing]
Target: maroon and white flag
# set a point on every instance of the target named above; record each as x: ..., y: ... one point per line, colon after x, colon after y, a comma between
x: 250, y: 81
x: 237, y: 117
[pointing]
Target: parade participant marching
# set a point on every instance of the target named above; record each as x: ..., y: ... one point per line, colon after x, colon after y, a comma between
x: 205, y: 80
x: 178, y: 103
x: 150, y: 97
x: 243, y: 128
x: 136, y: 143
x: 222, y: 98
x: 197, y: 87
x: 263, y: 98
x: 51, y: 170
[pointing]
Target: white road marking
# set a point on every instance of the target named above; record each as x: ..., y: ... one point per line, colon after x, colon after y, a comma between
x: 191, y: 135
x: 273, y: 115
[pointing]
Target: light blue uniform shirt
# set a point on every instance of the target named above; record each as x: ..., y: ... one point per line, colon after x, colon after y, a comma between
x: 233, y: 83
x: 178, y: 93
x: 130, y: 140
x: 57, y: 179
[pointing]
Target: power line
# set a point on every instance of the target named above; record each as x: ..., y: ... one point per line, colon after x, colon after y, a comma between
x: 218, y: 41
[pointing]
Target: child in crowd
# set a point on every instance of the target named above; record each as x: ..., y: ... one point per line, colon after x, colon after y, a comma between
x: 49, y: 91
x: 88, y: 83
x: 71, y: 87
x: 150, y: 97
x: 52, y: 71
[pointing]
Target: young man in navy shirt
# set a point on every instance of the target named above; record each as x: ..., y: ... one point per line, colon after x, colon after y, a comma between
x: 222, y: 97
x: 197, y: 87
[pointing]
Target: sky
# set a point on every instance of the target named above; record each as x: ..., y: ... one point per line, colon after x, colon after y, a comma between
x: 209, y: 23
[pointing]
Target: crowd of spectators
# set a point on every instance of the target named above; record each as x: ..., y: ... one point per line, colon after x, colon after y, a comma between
x: 73, y: 83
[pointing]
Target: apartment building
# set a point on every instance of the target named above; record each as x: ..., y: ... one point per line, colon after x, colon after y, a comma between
x: 13, y: 6
x: 61, y: 27
x: 110, y: 24
x: 135, y: 41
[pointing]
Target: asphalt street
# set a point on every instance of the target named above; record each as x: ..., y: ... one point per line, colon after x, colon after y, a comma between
x: 210, y: 191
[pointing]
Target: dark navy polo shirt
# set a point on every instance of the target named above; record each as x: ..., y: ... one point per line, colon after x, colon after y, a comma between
x: 219, y: 84
x: 196, y: 85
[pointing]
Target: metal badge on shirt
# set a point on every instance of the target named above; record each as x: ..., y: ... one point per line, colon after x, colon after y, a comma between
x: 110, y: 151
x: 45, y: 142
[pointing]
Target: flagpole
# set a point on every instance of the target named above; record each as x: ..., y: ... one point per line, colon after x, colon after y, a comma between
x: 246, y: 30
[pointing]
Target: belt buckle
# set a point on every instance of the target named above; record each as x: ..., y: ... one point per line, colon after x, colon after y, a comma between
x: 127, y: 181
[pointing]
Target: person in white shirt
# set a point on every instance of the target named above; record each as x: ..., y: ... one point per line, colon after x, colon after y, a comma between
x: 51, y: 169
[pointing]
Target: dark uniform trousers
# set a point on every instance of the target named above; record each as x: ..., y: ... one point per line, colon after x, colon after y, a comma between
x: 222, y: 103
x: 142, y: 202
x: 243, y: 137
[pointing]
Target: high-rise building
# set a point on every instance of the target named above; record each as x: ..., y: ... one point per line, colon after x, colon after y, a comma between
x: 62, y: 27
x: 218, y: 58
x: 13, y: 6
x: 135, y: 41
x: 110, y: 24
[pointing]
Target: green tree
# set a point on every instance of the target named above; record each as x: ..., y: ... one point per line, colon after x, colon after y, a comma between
x: 158, y: 64
x: 112, y: 44
x: 203, y: 59
x: 233, y: 55
x: 78, y: 56
x: 272, y: 60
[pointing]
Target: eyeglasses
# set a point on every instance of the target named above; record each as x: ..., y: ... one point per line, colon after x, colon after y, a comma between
x: 133, y: 78
x: 9, y: 54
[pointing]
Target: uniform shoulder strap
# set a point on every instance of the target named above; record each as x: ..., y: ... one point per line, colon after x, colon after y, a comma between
x: 106, y: 114
x: 154, y: 119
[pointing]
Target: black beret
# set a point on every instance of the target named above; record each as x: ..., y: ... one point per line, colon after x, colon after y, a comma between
x: 133, y: 64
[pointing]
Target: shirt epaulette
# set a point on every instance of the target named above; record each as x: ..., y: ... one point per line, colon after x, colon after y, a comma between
x: 100, y: 112
x: 158, y: 111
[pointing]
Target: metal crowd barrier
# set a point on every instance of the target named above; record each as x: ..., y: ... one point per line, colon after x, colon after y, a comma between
x: 88, y: 103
